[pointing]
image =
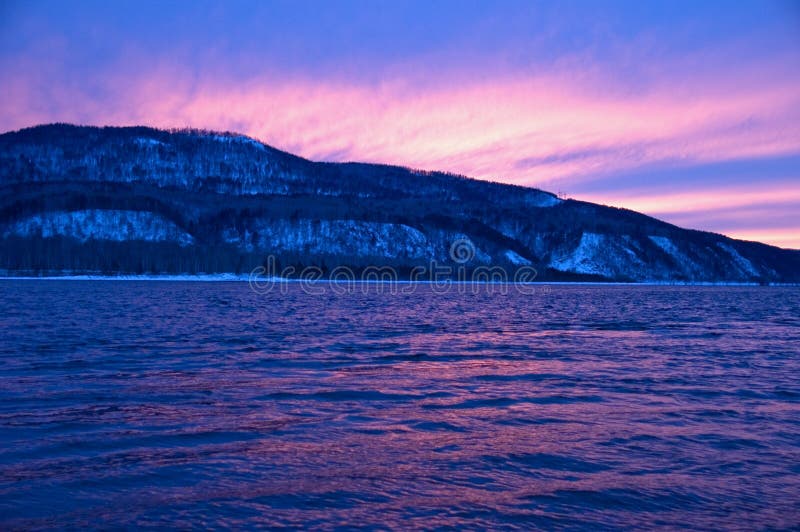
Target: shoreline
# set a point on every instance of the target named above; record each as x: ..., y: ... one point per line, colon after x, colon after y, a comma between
x: 231, y: 277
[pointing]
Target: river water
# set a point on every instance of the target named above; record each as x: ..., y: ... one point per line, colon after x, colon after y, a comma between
x: 129, y: 404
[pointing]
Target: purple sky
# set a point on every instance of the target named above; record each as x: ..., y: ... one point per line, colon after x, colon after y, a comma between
x: 689, y: 111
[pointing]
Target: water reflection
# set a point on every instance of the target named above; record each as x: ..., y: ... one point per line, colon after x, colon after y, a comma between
x: 145, y: 404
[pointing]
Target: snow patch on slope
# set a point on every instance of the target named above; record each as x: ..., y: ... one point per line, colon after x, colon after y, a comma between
x: 356, y: 239
x: 240, y: 139
x: 542, y: 199
x: 689, y: 267
x: 339, y: 237
x: 584, y: 258
x: 666, y: 246
x: 610, y: 255
x: 516, y: 259
x: 743, y: 264
x: 97, y: 224
x: 146, y: 141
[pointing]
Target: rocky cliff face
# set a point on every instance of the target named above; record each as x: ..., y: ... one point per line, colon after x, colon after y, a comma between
x: 140, y: 200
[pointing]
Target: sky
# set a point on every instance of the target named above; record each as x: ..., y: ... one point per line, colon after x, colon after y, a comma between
x: 685, y: 110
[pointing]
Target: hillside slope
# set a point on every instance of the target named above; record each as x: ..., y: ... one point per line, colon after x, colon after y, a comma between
x: 141, y: 200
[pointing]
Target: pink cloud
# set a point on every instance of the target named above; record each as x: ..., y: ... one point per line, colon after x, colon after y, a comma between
x: 551, y: 130
x: 487, y: 129
x: 702, y: 199
x: 750, y: 212
x: 785, y: 237
x: 518, y: 130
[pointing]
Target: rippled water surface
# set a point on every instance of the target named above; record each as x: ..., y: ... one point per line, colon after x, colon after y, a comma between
x: 146, y: 404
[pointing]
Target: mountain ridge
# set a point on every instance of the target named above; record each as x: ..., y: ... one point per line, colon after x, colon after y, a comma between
x: 139, y: 199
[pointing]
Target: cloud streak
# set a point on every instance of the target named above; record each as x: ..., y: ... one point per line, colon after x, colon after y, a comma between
x: 566, y: 122
x: 529, y: 131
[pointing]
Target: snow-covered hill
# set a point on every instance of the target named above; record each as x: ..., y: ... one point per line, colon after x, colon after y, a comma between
x: 140, y: 199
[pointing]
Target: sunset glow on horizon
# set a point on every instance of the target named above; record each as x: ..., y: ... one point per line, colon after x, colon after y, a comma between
x: 688, y: 113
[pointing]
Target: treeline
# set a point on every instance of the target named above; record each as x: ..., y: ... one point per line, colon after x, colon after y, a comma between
x: 39, y: 255
x: 62, y: 255
x: 222, y: 189
x: 200, y: 160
